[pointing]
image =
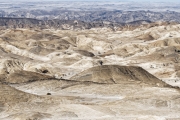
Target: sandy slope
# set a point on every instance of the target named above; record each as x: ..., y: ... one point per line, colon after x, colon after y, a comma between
x: 90, y: 74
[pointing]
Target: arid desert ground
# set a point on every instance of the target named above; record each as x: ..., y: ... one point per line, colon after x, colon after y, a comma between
x: 132, y: 73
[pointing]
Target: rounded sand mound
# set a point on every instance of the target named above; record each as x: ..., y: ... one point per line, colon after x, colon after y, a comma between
x: 146, y: 37
x: 115, y: 74
x: 25, y: 76
x: 28, y: 116
x: 10, y: 94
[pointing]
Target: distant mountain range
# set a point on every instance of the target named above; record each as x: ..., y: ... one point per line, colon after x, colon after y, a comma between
x: 116, y: 16
x: 14, y: 23
x: 55, y: 24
